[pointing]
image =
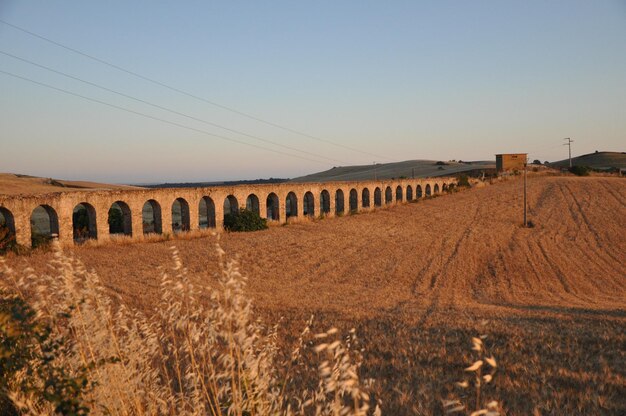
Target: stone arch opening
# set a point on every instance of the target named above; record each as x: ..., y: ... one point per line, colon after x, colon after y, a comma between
x: 388, y: 195
x: 445, y: 187
x: 231, y: 206
x: 291, y: 205
x: 418, y: 191
x: 180, y: 215
x: 339, y: 202
x: 399, y: 193
x: 120, y: 219
x: 44, y: 225
x: 409, y: 193
x: 252, y: 204
x: 325, y: 202
x: 272, y: 205
x: 84, y: 223
x: 309, y: 204
x: 365, y: 198
x: 151, y: 217
x: 206, y: 213
x: 378, y: 197
x: 428, y: 189
x: 7, y: 229
x: 354, y: 200
x: 436, y: 189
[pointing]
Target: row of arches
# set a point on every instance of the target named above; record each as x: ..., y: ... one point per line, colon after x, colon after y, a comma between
x: 45, y: 222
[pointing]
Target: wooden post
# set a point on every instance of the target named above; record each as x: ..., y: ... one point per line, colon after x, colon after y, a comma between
x: 525, y: 222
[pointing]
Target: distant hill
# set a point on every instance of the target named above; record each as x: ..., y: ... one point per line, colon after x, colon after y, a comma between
x: 407, y: 169
x: 221, y: 183
x: 14, y: 184
x: 597, y: 160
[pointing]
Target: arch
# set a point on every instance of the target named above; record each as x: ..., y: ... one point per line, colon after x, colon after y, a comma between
x: 309, y: 204
x: 365, y: 198
x: 180, y: 215
x: 378, y: 197
x: 231, y: 206
x: 409, y: 193
x: 436, y: 189
x: 44, y: 223
x: 445, y: 188
x: 84, y: 223
x: 252, y: 204
x: 339, y: 202
x: 120, y: 219
x: 418, y: 191
x: 7, y: 229
x: 427, y: 189
x: 399, y: 193
x: 291, y: 205
x: 151, y: 217
x: 325, y: 202
x: 206, y: 213
x: 388, y: 195
x: 354, y: 200
x: 272, y: 205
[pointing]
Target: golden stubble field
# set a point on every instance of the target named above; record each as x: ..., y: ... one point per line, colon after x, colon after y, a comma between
x: 417, y: 281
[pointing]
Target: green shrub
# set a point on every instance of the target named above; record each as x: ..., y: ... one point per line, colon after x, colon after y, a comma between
x: 244, y: 220
x: 7, y: 240
x: 463, y: 181
x: 116, y: 221
x: 31, y: 362
x: 40, y: 240
x: 580, y: 170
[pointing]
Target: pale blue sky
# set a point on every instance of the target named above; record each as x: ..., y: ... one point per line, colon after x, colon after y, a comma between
x: 396, y: 79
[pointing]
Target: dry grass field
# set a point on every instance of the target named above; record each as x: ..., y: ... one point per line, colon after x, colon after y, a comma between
x: 11, y: 184
x: 417, y: 281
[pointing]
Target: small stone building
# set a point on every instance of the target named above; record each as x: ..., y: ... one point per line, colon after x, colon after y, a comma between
x: 510, y: 161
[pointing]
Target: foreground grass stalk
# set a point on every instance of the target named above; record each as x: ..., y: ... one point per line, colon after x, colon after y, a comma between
x: 190, y: 358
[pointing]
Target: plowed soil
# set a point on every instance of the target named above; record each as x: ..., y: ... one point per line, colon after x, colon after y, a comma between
x: 418, y: 280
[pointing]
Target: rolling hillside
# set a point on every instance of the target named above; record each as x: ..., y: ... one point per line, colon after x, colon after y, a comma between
x: 599, y: 160
x: 408, y: 169
x: 13, y: 184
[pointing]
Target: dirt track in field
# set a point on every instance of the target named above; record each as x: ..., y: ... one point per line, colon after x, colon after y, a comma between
x: 426, y: 273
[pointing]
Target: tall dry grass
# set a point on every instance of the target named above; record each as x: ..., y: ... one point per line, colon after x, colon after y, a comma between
x: 481, y: 373
x: 121, y: 239
x: 202, y: 352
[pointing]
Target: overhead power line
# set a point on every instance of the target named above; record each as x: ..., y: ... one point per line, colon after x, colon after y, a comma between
x: 47, y: 68
x: 188, y: 94
x: 173, y: 123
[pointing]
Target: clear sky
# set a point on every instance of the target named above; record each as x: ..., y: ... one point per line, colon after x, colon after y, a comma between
x: 381, y: 81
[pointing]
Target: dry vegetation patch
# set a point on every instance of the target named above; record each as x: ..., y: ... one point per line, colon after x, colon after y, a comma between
x: 418, y: 281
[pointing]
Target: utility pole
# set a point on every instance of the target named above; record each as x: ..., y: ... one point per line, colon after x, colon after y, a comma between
x: 525, y: 218
x: 569, y: 144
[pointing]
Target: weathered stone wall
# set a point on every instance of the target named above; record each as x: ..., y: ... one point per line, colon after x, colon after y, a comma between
x: 20, y: 207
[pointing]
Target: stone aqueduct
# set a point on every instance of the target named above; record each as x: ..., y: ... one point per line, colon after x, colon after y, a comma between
x: 204, y: 207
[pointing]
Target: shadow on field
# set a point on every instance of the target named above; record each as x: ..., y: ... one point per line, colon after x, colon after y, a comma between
x: 617, y: 313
